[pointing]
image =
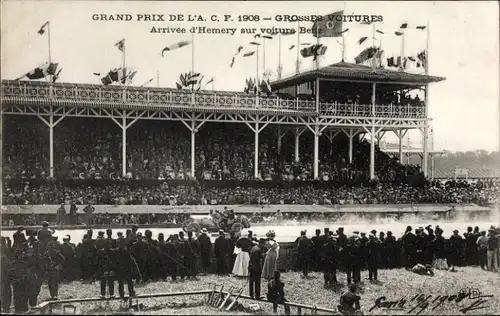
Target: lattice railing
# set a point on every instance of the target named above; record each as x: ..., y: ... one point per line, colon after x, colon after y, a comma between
x: 99, y: 95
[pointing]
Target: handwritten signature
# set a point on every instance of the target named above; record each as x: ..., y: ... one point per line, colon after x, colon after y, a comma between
x: 421, y: 302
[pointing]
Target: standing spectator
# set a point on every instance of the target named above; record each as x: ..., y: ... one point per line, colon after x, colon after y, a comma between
x: 492, y: 250
x: 61, y: 214
x: 255, y: 268
x: 89, y: 214
x: 304, y: 247
x: 455, y: 250
x: 482, y: 250
x: 221, y: 250
x: 205, y: 249
x: 72, y: 213
x: 276, y: 293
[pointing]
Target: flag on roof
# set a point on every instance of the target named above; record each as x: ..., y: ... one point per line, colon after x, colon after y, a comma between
x: 194, y: 78
x: 411, y: 58
x: 121, y: 45
x: 421, y: 27
x: 110, y: 77
x: 366, y: 54
x: 42, y: 71
x: 422, y: 58
x: 390, y: 62
x: 41, y: 31
x: 175, y: 46
x: 314, y: 50
x: 361, y: 40
x: 265, y: 87
x: 291, y: 47
x: 210, y: 81
x: 179, y: 87
x: 248, y: 54
x: 240, y: 48
x: 267, y: 36
x: 380, y: 32
x: 56, y: 76
x: 398, y: 33
x: 254, y: 43
x: 328, y: 26
x: 403, y: 26
x: 232, y: 63
x: 147, y: 82
x: 256, y: 36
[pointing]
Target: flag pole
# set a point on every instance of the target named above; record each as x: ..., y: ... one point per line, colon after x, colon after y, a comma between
x: 123, y: 62
x: 297, y: 64
x: 192, y: 59
x: 427, y: 51
x: 317, y: 45
x: 402, y: 50
x: 50, y: 55
x: 343, y: 39
x: 264, y: 56
x: 279, y: 56
x: 374, y: 60
x: 257, y: 81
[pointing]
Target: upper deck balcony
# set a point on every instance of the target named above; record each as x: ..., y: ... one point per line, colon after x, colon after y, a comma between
x: 142, y: 98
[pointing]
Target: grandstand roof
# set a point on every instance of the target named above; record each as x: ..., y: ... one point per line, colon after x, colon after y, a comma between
x: 351, y: 71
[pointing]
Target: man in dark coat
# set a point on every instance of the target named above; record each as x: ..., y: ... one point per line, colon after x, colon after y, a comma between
x: 44, y: 236
x: 126, y: 269
x: 331, y: 255
x: 172, y: 256
x: 68, y: 252
x: 88, y: 258
x: 61, y: 215
x: 304, y: 248
x: 194, y: 250
x: 372, y: 257
x: 255, y: 268
x: 352, y: 253
x: 455, y: 249
x: 6, y: 284
x: 317, y: 249
x: 471, y: 247
x: 72, y: 213
x: 205, y: 249
x: 55, y: 262
x: 221, y: 250
x: 89, y: 214
x: 19, y: 238
x: 409, y: 247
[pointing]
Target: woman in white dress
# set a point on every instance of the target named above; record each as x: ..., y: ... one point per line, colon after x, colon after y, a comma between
x: 242, y: 250
x: 271, y: 260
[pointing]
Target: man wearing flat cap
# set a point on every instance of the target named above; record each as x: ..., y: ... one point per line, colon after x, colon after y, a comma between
x: 456, y: 244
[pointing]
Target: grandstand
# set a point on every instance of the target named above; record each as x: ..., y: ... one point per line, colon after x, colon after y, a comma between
x: 242, y: 149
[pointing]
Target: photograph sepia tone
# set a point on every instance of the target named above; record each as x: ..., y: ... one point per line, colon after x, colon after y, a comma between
x: 250, y: 158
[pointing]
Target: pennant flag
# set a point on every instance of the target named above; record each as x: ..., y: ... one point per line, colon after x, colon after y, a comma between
x: 257, y: 36
x: 361, y: 40
x: 97, y: 73
x: 314, y: 50
x: 422, y: 27
x: 147, y: 82
x: 121, y: 45
x: 111, y: 77
x: 240, y: 48
x: 179, y: 87
x: 56, y: 76
x: 248, y: 54
x: 232, y: 63
x: 418, y: 65
x: 291, y: 47
x: 328, y: 26
x: 304, y: 44
x: 254, y: 43
x: 175, y: 46
x: 194, y: 79
x: 265, y: 87
x: 366, y: 54
x: 390, y: 62
x: 342, y: 32
x: 398, y: 33
x: 210, y: 81
x: 411, y: 58
x: 422, y: 58
x: 380, y: 32
x: 267, y: 36
x: 403, y: 26
x: 41, y: 31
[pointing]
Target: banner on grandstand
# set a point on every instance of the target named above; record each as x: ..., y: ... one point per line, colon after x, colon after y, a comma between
x: 461, y: 173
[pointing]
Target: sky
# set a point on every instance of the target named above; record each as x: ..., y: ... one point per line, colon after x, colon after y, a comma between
x: 463, y: 47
